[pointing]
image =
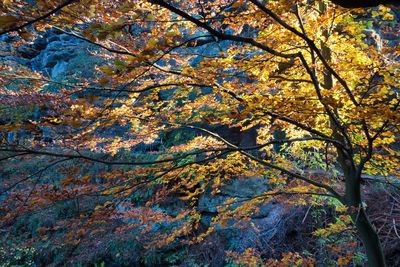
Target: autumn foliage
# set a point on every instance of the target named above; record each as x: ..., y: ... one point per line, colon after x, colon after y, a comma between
x: 139, y: 143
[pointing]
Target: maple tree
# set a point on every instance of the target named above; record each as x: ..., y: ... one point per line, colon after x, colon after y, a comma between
x: 298, y: 67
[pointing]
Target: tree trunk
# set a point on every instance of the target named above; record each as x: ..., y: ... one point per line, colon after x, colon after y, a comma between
x: 353, y: 199
x: 365, y: 229
x: 370, y: 240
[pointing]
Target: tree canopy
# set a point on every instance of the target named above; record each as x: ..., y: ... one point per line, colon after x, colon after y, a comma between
x: 313, y: 103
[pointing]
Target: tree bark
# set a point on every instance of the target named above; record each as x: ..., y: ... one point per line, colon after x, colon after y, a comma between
x: 365, y: 229
x: 370, y: 239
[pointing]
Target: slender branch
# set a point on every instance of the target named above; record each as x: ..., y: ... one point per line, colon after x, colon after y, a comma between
x: 120, y: 52
x: 111, y: 50
x: 14, y: 156
x: 330, y: 113
x: 289, y: 79
x: 170, y: 170
x: 272, y: 166
x: 287, y: 119
x: 243, y: 40
x: 93, y: 88
x: 32, y: 175
x: 277, y: 193
x: 311, y: 44
x: 44, y: 16
x: 81, y: 156
x: 220, y: 35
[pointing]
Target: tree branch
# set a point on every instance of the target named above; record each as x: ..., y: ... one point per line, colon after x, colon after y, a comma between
x: 311, y: 44
x: 44, y: 16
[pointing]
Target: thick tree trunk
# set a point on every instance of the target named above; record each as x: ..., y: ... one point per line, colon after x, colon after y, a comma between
x: 370, y: 240
x: 365, y: 229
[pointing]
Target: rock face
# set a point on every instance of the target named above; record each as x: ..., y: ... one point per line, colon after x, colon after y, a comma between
x: 272, y: 224
x: 57, y: 55
x: 242, y: 188
x: 54, y: 59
